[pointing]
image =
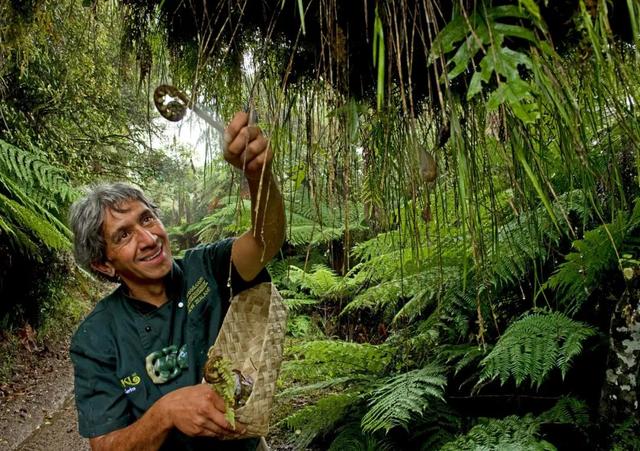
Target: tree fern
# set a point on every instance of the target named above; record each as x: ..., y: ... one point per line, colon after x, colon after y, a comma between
x: 462, y: 354
x: 232, y: 216
x: 439, y: 285
x: 534, y: 345
x: 402, y: 398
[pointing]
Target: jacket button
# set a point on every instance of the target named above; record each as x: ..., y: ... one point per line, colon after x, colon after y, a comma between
x: 148, y: 328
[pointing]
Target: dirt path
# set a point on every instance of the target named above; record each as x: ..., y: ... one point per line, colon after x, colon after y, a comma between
x: 36, y: 407
x: 58, y: 432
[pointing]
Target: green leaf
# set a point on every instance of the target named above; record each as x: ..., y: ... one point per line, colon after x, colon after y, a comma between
x: 467, y: 51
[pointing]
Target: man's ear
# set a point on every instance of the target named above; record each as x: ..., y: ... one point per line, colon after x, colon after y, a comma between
x: 105, y: 268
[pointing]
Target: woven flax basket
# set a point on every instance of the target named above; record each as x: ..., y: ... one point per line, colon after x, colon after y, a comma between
x: 252, y: 338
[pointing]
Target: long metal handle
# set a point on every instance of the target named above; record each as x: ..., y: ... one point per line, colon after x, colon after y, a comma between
x: 207, y: 117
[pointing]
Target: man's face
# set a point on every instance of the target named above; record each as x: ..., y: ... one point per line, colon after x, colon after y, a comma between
x: 137, y: 245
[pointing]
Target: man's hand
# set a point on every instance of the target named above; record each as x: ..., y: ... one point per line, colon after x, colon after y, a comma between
x: 199, y: 411
x: 196, y: 411
x: 245, y: 147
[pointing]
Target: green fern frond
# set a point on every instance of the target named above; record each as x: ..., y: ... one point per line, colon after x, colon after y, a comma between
x: 584, y: 269
x: 438, y: 425
x: 383, y: 243
x: 23, y: 180
x: 321, y: 282
x: 462, y: 354
x: 19, y: 239
x: 27, y: 222
x: 33, y: 172
x: 402, y: 398
x: 38, y: 225
x: 351, y: 438
x: 233, y: 216
x: 435, y: 285
x: 316, y: 387
x: 567, y: 411
x: 318, y: 224
x: 384, y: 296
x: 328, y: 359
x: 320, y: 418
x: 510, y: 433
x: 532, y: 346
x: 295, y: 305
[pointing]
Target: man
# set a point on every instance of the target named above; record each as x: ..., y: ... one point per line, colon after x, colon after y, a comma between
x: 138, y: 357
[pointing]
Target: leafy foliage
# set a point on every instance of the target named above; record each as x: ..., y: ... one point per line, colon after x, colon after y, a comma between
x: 500, y: 64
x: 319, y: 224
x: 512, y: 433
x: 25, y: 220
x: 569, y: 411
x: 320, y: 418
x: 515, y: 432
x: 321, y: 282
x: 534, y: 345
x: 351, y: 438
x: 329, y: 359
x: 534, y: 150
x: 403, y: 397
x: 595, y: 255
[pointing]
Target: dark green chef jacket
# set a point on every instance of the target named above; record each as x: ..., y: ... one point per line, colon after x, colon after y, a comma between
x: 112, y: 387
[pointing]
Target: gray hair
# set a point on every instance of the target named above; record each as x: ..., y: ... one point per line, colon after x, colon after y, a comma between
x: 86, y: 218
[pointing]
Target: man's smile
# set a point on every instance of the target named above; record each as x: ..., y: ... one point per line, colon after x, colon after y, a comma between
x: 155, y: 255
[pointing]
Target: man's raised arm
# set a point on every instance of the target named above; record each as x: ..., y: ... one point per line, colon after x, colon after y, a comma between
x: 246, y: 148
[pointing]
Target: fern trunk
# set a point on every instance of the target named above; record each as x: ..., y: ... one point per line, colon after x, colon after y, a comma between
x: 619, y: 397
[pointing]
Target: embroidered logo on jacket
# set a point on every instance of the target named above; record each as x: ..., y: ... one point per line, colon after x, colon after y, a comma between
x: 197, y: 293
x: 129, y: 383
